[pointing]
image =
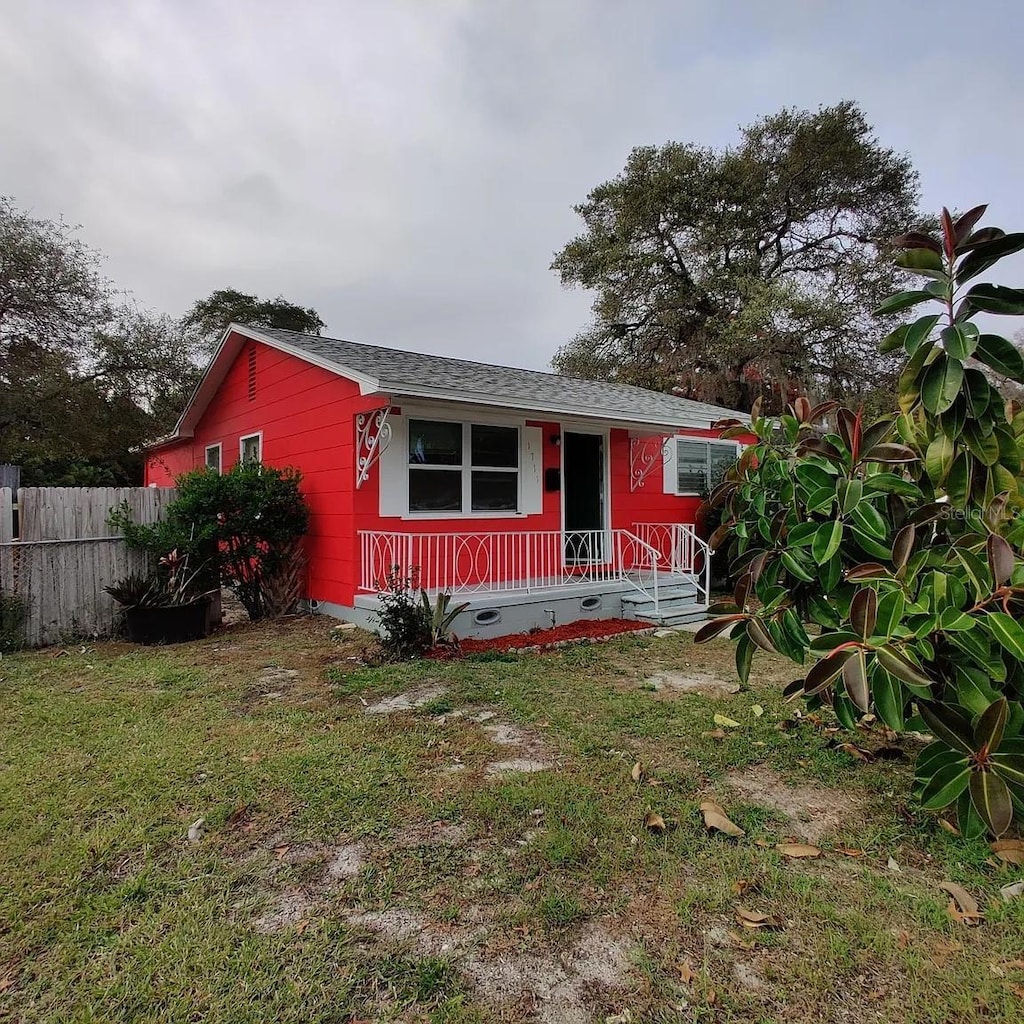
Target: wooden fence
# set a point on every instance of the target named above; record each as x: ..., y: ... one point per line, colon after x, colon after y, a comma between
x: 65, y: 553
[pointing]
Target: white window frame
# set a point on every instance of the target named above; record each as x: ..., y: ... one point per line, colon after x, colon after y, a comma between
x: 219, y: 448
x: 709, y: 441
x: 248, y: 437
x: 466, y: 468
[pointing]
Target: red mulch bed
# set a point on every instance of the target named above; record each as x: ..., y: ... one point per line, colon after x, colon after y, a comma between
x: 542, y: 639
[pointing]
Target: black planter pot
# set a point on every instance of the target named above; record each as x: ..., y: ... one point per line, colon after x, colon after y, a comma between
x: 172, y: 624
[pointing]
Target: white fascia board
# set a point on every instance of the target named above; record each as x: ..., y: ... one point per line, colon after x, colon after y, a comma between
x: 532, y: 410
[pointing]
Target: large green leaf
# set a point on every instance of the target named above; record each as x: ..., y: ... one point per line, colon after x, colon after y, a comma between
x: 926, y: 262
x: 1008, y: 631
x: 948, y: 725
x: 995, y: 298
x: 901, y: 301
x: 867, y: 518
x: 890, y: 612
x: 990, y: 795
x: 855, y: 679
x: 987, y: 254
x: 958, y: 483
x: 977, y: 391
x: 890, y: 698
x: 897, y: 663
x: 938, y: 459
x: 864, y: 612
x: 946, y: 785
x: 988, y: 733
x: 941, y: 383
x: 997, y: 352
x: 849, y: 492
x: 822, y: 673
x: 744, y: 658
x: 1009, y: 765
x: 960, y: 340
x: 826, y: 541
x: 795, y: 568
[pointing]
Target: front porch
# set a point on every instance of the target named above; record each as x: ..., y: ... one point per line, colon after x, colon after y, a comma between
x: 519, y: 580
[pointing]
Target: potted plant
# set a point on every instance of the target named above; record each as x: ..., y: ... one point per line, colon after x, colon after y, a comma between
x: 166, y: 608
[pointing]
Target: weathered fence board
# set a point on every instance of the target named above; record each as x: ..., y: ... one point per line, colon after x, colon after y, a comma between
x: 66, y: 554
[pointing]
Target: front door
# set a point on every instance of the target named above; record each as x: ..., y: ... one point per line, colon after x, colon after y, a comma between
x: 583, y: 496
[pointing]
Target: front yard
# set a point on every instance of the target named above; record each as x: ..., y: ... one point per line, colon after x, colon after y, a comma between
x: 261, y: 827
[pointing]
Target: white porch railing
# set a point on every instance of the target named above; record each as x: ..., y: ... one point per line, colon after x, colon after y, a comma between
x: 682, y: 551
x: 517, y: 561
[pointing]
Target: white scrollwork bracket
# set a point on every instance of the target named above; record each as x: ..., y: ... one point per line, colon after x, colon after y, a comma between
x: 373, y: 435
x: 646, y: 454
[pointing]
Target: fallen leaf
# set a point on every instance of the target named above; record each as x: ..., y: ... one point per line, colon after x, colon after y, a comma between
x: 903, y: 938
x: 1009, y: 850
x: 686, y: 973
x: 637, y: 773
x: 858, y: 753
x: 1012, y: 892
x: 281, y: 851
x: 742, y: 943
x: 1017, y: 990
x: 797, y: 851
x: 8, y: 979
x: 875, y: 994
x: 654, y: 822
x: 301, y: 926
x: 238, y: 815
x: 712, y: 997
x: 741, y: 885
x: 893, y: 866
x: 756, y: 710
x: 755, y: 919
x: 946, y: 948
x: 729, y: 723
x: 714, y: 734
x: 195, y: 830
x: 716, y: 818
x: 949, y: 827
x: 849, y: 851
x: 963, y: 907
x: 626, y: 1017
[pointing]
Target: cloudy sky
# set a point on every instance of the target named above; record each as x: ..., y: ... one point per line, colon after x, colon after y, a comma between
x: 409, y: 167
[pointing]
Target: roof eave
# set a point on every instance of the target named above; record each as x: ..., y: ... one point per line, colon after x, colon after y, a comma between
x: 404, y: 390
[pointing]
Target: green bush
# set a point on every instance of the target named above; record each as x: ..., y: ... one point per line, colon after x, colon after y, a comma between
x: 239, y: 529
x: 405, y: 620
x: 13, y: 616
x: 885, y: 557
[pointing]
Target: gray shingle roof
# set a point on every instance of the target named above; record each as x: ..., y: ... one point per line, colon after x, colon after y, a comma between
x: 415, y: 374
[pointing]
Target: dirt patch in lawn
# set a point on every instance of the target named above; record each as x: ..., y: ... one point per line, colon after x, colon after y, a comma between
x: 556, y: 987
x: 811, y: 811
x: 670, y: 682
x: 410, y: 700
x: 532, y: 753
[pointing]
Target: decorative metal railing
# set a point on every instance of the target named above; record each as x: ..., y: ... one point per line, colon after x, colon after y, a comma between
x: 682, y: 552
x: 517, y: 561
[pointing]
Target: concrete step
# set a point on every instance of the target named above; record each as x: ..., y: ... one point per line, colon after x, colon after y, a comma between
x: 675, y: 617
x: 680, y: 592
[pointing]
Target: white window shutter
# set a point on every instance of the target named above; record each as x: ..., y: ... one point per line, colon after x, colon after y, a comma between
x: 393, y: 468
x: 670, y: 478
x: 531, y: 471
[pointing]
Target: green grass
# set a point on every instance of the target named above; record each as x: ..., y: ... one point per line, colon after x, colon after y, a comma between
x: 108, y: 913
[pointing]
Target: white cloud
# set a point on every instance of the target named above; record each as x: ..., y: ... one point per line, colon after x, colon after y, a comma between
x: 409, y: 168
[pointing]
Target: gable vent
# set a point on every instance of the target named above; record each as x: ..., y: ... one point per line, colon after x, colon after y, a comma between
x: 252, y: 374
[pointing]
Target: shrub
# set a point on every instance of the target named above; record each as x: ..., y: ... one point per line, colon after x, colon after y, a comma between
x: 13, y: 616
x: 405, y: 623
x: 898, y: 542
x: 242, y: 527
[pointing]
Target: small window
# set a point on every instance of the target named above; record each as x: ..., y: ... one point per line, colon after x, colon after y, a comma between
x: 250, y: 449
x: 213, y: 458
x: 700, y: 465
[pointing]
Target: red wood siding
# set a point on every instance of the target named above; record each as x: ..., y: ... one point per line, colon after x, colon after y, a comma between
x: 306, y: 415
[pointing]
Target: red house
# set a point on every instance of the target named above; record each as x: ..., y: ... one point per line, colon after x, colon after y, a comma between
x: 540, y: 499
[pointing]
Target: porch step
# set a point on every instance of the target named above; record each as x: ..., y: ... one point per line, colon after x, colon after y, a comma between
x: 677, y: 604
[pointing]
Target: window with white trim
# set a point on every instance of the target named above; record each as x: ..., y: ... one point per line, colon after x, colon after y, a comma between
x: 463, y: 468
x: 213, y: 457
x: 250, y: 448
x: 701, y: 463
